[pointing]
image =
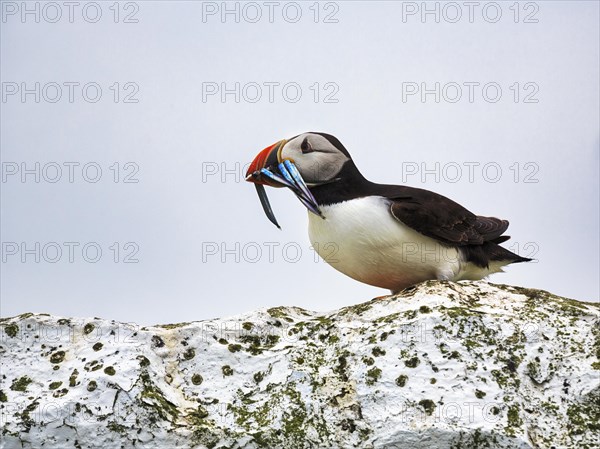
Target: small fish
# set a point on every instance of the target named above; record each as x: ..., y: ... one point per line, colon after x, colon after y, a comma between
x: 264, y: 200
x: 290, y: 178
x: 276, y: 178
x: 307, y: 196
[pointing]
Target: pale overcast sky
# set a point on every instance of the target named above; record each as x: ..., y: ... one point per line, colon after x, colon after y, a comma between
x: 179, y: 97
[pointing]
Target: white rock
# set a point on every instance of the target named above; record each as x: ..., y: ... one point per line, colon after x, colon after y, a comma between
x: 462, y: 365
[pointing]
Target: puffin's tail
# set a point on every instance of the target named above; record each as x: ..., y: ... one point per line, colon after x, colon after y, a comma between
x: 491, y: 251
x: 504, y: 254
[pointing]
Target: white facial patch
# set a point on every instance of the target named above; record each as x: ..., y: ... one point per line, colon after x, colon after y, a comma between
x: 318, y: 165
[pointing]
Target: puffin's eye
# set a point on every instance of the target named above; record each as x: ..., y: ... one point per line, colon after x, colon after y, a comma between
x: 305, y: 146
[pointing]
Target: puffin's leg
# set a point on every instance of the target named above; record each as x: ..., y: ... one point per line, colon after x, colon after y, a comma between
x: 384, y: 296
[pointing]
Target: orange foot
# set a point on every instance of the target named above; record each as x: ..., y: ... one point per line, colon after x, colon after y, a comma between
x: 381, y: 297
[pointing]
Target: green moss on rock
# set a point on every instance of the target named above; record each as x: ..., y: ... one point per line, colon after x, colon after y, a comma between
x: 20, y: 384
x: 513, y: 419
x: 11, y: 330
x: 234, y: 348
x: 279, y: 312
x: 413, y: 362
x: 373, y: 375
x: 73, y: 378
x: 368, y: 360
x: 113, y: 426
x: 189, y: 354
x: 197, y: 379
x: 401, y: 380
x: 271, y: 340
x: 377, y: 351
x: 428, y: 405
x: 199, y: 415
x: 174, y: 325
x: 57, y: 357
x: 584, y: 416
x: 159, y: 405
x: 94, y: 365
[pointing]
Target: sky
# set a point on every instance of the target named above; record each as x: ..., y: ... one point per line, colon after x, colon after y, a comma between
x: 126, y: 130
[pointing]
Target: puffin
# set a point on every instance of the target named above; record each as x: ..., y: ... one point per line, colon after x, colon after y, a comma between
x: 388, y: 236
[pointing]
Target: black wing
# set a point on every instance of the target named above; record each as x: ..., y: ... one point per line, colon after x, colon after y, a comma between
x: 441, y: 218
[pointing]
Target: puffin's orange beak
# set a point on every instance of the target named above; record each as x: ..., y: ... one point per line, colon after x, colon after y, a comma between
x: 268, y: 157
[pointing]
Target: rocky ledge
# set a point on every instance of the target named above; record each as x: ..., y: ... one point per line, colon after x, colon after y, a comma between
x: 441, y: 365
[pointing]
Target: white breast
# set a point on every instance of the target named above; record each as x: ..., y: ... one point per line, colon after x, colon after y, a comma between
x: 362, y: 239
